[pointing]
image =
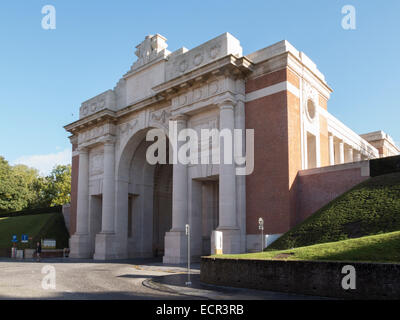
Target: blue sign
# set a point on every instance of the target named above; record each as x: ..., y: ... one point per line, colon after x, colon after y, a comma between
x: 14, y: 238
x: 24, y: 238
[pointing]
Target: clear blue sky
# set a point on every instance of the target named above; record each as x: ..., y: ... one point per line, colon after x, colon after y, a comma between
x: 46, y: 74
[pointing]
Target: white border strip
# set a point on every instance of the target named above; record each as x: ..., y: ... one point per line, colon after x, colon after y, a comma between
x: 275, y: 88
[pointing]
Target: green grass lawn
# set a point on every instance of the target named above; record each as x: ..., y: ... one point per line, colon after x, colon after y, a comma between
x: 372, y: 207
x: 377, y: 248
x: 48, y: 225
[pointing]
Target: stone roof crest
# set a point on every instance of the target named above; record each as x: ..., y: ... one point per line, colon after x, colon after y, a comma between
x: 151, y: 48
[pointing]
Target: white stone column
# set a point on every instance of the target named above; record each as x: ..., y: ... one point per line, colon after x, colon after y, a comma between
x: 228, y: 223
x: 79, y: 242
x: 105, y: 240
x: 240, y: 123
x: 349, y: 154
x: 341, y: 152
x: 107, y: 222
x: 357, y: 156
x: 331, y: 150
x: 227, y: 174
x: 175, y: 239
x: 82, y: 226
x: 180, y: 187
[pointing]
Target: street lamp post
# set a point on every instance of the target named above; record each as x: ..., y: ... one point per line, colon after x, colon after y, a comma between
x: 188, y: 283
x: 261, y: 228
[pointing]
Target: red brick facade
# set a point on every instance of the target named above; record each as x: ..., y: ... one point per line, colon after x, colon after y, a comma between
x: 271, y: 189
x: 317, y: 190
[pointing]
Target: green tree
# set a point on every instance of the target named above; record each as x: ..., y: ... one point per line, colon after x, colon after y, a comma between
x: 16, y: 186
x: 22, y: 187
x: 28, y: 177
x: 55, y: 189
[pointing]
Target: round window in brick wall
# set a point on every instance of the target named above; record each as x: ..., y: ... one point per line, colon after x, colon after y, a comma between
x: 311, y: 109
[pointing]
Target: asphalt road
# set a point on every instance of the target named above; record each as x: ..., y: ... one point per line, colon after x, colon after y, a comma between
x: 128, y: 279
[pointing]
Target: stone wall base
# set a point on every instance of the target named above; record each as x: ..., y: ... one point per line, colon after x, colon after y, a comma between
x: 104, y: 248
x: 230, y: 240
x: 79, y: 246
x: 175, y: 247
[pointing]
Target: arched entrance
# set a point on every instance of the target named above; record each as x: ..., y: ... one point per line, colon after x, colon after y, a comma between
x: 148, y: 191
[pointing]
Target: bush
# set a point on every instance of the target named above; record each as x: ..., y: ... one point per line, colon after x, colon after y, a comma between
x: 384, y: 166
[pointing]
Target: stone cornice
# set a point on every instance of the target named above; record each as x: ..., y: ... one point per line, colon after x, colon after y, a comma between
x: 93, y: 119
x: 144, y: 103
x: 299, y: 67
x: 228, y: 66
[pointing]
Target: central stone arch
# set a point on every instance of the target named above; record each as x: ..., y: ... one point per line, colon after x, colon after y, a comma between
x: 143, y: 199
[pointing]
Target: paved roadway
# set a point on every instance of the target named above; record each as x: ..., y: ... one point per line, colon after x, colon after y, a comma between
x: 128, y: 279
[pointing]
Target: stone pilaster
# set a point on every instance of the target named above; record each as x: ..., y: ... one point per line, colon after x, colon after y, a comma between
x: 79, y: 242
x: 108, y: 189
x: 175, y: 239
x: 106, y: 237
x: 228, y: 223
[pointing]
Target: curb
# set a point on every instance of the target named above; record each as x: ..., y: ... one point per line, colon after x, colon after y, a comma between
x: 149, y: 283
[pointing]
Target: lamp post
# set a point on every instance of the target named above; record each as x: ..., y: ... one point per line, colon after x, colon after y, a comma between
x: 261, y: 228
x: 188, y: 283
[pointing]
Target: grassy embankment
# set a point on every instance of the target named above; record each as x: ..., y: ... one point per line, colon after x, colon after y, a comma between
x: 361, y: 225
x: 377, y: 248
x: 38, y: 226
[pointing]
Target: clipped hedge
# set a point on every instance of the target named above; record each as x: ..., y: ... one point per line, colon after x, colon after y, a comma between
x: 32, y: 212
x: 372, y: 207
x: 384, y: 166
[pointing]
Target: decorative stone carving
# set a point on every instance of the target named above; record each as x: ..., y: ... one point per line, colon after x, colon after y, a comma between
x: 203, y: 145
x: 105, y: 100
x: 212, y: 50
x: 183, y: 66
x: 199, y: 93
x: 150, y: 49
x: 198, y: 58
x: 310, y: 101
x: 96, y: 163
x: 96, y: 135
x: 127, y: 127
x: 91, y: 134
x: 161, y: 117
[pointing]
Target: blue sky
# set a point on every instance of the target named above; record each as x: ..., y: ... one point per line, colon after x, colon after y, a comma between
x: 46, y: 74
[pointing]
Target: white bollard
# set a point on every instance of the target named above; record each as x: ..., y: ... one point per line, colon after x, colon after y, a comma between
x: 217, y: 242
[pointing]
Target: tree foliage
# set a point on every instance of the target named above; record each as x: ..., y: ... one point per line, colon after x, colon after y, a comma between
x: 55, y: 189
x: 22, y: 187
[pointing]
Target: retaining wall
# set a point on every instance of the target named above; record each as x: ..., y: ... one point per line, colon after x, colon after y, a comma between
x: 317, y: 278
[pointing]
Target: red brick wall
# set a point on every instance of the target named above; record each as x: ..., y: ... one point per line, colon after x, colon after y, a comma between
x: 267, y: 187
x: 74, y: 191
x: 317, y: 190
x: 270, y: 189
x: 266, y: 80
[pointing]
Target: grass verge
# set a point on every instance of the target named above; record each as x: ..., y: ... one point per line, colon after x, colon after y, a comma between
x: 377, y: 248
